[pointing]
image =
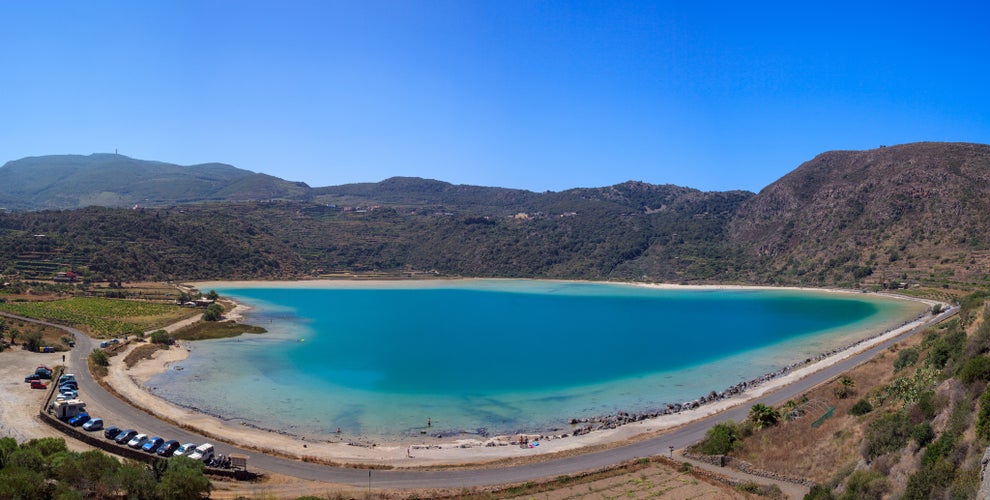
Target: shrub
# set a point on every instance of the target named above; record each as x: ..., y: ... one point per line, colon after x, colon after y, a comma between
x: 720, y: 439
x: 923, y: 483
x: 862, y: 407
x: 820, y: 492
x: 947, y: 347
x: 213, y: 312
x: 939, y: 449
x: 33, y: 343
x: 845, y: 387
x: 983, y: 417
x: 99, y: 357
x: 927, y: 404
x: 886, y: 434
x: 865, y: 484
x: 906, y: 357
x: 923, y: 434
x: 977, y: 368
x: 161, y: 337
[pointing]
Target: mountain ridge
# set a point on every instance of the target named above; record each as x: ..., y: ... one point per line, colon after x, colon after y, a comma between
x: 913, y: 213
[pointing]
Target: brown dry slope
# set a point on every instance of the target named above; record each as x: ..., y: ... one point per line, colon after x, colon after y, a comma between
x: 914, y: 212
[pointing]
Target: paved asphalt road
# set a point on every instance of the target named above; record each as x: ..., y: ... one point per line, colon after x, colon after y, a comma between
x: 678, y: 438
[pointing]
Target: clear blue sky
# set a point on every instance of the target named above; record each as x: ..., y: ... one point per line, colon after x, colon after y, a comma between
x: 532, y: 95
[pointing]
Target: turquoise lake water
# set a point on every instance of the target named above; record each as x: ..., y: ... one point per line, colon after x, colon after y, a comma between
x: 500, y: 356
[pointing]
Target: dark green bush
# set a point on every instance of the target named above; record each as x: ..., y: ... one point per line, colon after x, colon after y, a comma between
x: 161, y: 337
x: 820, y: 492
x: 99, y: 357
x: 923, y: 434
x: 865, y: 484
x: 906, y: 357
x: 720, y: 439
x: 947, y: 347
x: 975, y: 369
x: 862, y: 407
x: 886, y: 434
x: 983, y: 417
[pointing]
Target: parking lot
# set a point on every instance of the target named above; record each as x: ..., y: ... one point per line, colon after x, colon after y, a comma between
x: 20, y: 403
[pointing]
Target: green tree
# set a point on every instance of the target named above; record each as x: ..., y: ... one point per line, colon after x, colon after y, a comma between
x: 183, y: 478
x: 92, y: 472
x: 48, y: 446
x: 22, y: 483
x: 213, y: 295
x: 763, y: 416
x: 26, y: 458
x: 720, y: 439
x: 7, y: 446
x: 137, y: 480
x: 161, y: 337
x: 99, y: 357
x: 213, y: 313
x: 33, y: 342
x: 845, y: 388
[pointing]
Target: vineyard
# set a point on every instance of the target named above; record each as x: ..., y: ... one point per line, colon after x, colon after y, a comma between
x: 103, y: 318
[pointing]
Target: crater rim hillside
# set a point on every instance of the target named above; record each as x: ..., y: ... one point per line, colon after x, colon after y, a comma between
x: 907, y: 214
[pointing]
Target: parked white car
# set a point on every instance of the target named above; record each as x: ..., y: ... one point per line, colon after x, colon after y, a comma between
x: 202, y: 452
x: 137, y: 441
x: 185, y: 449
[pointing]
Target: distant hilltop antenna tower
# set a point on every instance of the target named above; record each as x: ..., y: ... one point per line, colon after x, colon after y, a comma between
x: 115, y: 151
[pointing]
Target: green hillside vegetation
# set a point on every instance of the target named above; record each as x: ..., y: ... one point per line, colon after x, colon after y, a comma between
x: 911, y: 424
x: 582, y: 234
x: 75, y: 181
x: 886, y: 218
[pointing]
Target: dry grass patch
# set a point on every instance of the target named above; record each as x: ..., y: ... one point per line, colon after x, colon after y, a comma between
x: 795, y: 448
x: 143, y: 351
x: 50, y: 336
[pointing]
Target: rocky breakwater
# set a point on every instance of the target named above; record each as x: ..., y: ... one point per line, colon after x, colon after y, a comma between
x: 604, y: 422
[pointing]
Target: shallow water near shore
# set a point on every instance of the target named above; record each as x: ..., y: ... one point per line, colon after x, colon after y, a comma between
x: 501, y: 356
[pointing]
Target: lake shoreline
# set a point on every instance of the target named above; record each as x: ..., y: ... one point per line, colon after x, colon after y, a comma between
x: 459, y: 449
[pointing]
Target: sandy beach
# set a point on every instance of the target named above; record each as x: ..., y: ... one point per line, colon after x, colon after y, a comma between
x: 427, y: 451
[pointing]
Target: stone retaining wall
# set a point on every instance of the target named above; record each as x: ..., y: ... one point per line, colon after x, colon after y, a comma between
x: 747, y: 468
x: 96, y: 440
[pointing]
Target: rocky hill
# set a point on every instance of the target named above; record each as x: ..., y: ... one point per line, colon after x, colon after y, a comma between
x: 916, y: 213
x: 894, y: 214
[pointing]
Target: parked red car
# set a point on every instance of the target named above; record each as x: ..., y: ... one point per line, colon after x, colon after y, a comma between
x: 37, y: 384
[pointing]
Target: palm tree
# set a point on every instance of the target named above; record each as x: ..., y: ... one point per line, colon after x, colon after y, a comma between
x: 845, y: 388
x: 763, y: 415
